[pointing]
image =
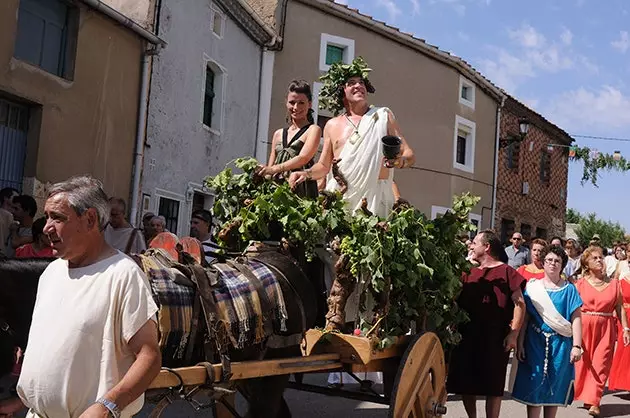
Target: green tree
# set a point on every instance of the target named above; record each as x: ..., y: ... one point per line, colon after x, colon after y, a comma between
x: 573, y: 216
x: 590, y: 225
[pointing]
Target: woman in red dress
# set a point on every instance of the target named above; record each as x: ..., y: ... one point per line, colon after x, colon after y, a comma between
x: 600, y: 297
x: 620, y: 372
x: 492, y: 296
x: 535, y: 269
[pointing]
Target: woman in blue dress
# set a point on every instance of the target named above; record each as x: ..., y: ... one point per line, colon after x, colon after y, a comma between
x: 549, y: 341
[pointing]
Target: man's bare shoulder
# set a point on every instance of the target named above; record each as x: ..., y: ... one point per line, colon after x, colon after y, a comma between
x: 336, y: 122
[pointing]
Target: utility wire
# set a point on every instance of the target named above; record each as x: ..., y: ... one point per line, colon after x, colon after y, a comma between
x: 602, y: 138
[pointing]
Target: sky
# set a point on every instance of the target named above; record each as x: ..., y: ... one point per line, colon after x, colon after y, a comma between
x: 567, y: 59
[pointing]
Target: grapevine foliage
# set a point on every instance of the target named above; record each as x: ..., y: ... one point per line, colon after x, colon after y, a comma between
x: 267, y: 210
x: 423, y: 260
x: 419, y: 260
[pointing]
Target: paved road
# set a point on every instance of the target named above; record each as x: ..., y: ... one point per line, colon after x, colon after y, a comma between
x: 311, y: 405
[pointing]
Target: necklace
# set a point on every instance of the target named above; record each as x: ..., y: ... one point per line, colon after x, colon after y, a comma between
x: 355, y: 135
x: 600, y: 283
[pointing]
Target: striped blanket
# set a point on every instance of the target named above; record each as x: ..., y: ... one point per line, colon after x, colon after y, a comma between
x: 240, y: 308
x: 175, y: 303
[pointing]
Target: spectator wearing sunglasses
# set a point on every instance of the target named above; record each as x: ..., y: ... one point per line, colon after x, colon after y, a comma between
x: 518, y: 255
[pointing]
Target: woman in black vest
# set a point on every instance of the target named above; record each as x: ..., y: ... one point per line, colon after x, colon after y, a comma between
x: 294, y: 147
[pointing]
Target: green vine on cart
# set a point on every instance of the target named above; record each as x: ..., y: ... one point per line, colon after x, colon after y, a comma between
x: 416, y: 260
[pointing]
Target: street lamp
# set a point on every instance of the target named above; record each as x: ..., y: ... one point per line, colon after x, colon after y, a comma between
x: 523, y: 128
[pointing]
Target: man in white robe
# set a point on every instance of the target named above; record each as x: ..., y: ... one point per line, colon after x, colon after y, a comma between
x: 354, y: 140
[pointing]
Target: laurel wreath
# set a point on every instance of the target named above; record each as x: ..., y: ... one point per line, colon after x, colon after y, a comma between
x: 331, y: 94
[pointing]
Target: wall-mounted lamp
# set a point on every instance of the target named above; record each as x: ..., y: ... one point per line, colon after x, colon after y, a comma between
x: 523, y: 128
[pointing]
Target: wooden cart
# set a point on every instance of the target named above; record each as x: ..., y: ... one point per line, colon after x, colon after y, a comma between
x: 414, y: 367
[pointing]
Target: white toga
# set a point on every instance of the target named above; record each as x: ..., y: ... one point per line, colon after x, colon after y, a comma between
x: 361, y: 163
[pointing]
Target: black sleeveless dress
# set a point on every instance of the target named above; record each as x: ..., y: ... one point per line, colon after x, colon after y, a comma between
x: 290, y: 149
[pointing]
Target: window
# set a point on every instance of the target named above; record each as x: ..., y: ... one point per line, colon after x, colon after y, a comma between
x: 476, y: 221
x: 513, y: 153
x: 462, y: 137
x: 46, y: 35
x: 208, y: 98
x: 334, y: 54
x: 169, y: 208
x: 541, y: 233
x: 334, y: 49
x: 217, y: 19
x: 507, y: 229
x: 437, y: 211
x: 545, y: 167
x: 213, y: 84
x: 464, y: 145
x: 13, y: 116
x: 466, y: 92
x: 526, y: 232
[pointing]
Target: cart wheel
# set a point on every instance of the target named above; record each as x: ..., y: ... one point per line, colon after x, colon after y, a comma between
x: 419, y: 389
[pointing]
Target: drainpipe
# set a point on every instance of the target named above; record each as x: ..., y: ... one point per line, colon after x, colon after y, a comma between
x: 264, y: 104
x: 496, y: 163
x: 141, y: 131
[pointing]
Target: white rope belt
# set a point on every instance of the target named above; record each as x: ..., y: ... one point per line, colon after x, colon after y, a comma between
x: 547, y: 335
x: 597, y: 313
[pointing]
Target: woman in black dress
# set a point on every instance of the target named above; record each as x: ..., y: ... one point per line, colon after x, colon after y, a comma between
x: 492, y: 296
x: 294, y: 147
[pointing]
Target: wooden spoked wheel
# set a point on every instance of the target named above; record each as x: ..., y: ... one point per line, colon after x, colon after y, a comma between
x: 420, y: 387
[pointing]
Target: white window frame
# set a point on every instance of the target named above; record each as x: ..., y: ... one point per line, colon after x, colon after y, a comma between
x: 438, y: 210
x: 470, y: 127
x: 478, y: 218
x: 464, y: 82
x: 159, y: 193
x: 317, y: 88
x: 345, y: 43
x: 214, y: 10
x: 220, y: 87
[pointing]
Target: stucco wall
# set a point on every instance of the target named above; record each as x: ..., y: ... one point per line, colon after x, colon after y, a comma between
x: 182, y: 150
x: 140, y: 11
x: 86, y: 125
x: 422, y: 93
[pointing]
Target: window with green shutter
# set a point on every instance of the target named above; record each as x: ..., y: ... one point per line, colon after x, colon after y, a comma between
x: 208, y: 98
x: 334, y: 54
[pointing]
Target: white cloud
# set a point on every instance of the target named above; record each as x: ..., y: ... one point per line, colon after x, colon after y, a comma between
x: 463, y: 36
x: 566, y: 36
x: 530, y: 102
x: 623, y: 43
x: 507, y: 70
x: 392, y: 9
x: 527, y: 37
x: 533, y: 54
x: 458, y: 6
x: 588, y: 110
x: 415, y: 5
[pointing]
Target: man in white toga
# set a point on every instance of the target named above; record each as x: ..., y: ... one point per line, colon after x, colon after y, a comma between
x: 354, y: 140
x: 93, y: 344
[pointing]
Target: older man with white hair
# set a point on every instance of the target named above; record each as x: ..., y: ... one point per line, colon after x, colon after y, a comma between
x: 93, y: 344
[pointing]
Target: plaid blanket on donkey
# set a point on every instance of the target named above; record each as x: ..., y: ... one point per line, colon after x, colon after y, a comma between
x: 175, y: 303
x: 239, y: 307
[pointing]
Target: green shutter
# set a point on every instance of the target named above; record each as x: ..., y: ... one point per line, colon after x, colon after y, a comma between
x: 208, y: 98
x: 334, y: 54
